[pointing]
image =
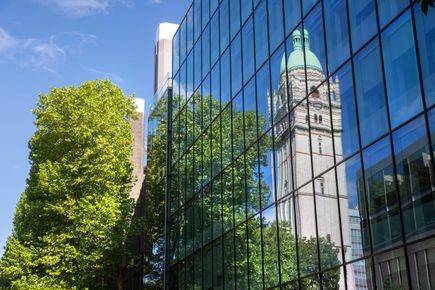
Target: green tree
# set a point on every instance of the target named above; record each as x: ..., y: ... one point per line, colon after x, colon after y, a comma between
x: 72, y: 220
x: 425, y: 4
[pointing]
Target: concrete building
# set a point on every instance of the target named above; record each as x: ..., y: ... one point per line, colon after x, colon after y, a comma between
x: 138, y: 130
x: 163, y: 54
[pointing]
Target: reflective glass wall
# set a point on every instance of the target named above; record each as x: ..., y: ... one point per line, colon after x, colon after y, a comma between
x: 302, y: 146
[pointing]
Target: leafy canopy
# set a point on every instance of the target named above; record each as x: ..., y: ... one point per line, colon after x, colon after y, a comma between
x: 71, y: 221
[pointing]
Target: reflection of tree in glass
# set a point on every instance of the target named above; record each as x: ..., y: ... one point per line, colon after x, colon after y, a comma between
x: 239, y: 189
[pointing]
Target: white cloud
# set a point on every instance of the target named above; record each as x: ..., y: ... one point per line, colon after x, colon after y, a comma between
x: 115, y: 78
x: 6, y: 41
x: 80, y: 8
x: 155, y: 1
x: 42, y: 54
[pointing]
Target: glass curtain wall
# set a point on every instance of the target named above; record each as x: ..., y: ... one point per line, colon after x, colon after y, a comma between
x: 303, y: 137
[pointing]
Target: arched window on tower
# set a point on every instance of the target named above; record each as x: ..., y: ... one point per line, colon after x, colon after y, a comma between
x: 315, y: 118
x: 320, y: 119
x: 314, y: 92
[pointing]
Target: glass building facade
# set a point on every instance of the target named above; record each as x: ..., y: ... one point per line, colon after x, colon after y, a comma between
x: 302, y: 139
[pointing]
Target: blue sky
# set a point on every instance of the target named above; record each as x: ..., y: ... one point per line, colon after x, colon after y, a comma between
x: 46, y: 43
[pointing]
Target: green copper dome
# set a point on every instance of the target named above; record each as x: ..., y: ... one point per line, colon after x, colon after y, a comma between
x: 296, y: 58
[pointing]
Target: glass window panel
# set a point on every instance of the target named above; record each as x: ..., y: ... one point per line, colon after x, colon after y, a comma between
x: 334, y: 279
x: 217, y: 207
x: 246, y: 9
x: 241, y: 253
x: 401, y: 73
x: 267, y: 182
x: 287, y: 241
x: 261, y: 37
x: 207, y: 215
x: 226, y: 136
x: 205, y: 51
x: 183, y: 40
x: 237, y: 122
x: 225, y: 78
x: 227, y: 187
x: 388, y: 9
x: 314, y: 44
x: 182, y: 234
x: 198, y: 271
x: 337, y: 35
x: 229, y: 265
x: 224, y: 25
x: 343, y: 113
x: 189, y: 21
x: 300, y: 143
x: 206, y: 140
x: 239, y: 191
x: 307, y: 5
x: 197, y: 18
x: 208, y: 268
x: 182, y: 275
x: 218, y: 277
x: 250, y: 113
x: 248, y: 51
x: 279, y: 86
x: 197, y: 70
x: 370, y: 94
x: 190, y: 227
x: 431, y: 119
x: 362, y: 22
x: 306, y: 230
x: 283, y: 159
x: 235, y: 17
x: 421, y: 257
x: 357, y: 275
x: 263, y: 99
x: 415, y: 177
x: 425, y: 25
x: 214, y: 38
x: 255, y: 253
x: 256, y: 2
x: 213, y: 5
x: 206, y: 102
x: 295, y: 69
x: 176, y: 95
x: 382, y: 195
x: 236, y: 66
x: 353, y: 211
x: 320, y: 129
x: 183, y: 94
x: 176, y: 52
x: 215, y: 90
x: 292, y: 14
x: 390, y: 270
x: 252, y: 181
x: 216, y: 146
x: 328, y: 221
x: 276, y: 26
x: 197, y: 208
x: 205, y: 12
x: 270, y: 247
x: 189, y: 79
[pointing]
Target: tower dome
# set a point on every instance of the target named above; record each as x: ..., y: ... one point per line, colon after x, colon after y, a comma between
x: 296, y: 57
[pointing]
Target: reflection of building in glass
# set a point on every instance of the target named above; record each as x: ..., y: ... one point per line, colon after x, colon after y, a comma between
x: 358, y: 268
x: 291, y: 165
x: 294, y: 146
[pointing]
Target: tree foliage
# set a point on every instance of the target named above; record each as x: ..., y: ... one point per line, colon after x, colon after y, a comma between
x: 425, y: 4
x: 71, y: 222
